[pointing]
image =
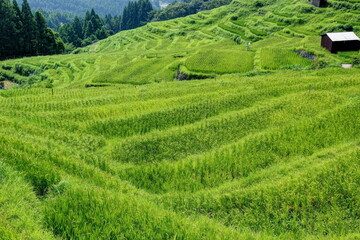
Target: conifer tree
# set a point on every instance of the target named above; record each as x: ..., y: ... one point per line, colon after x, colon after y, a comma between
x: 78, y: 27
x: 23, y: 35
x: 42, y: 46
x: 89, y: 29
x: 6, y: 28
x: 95, y: 19
x: 136, y: 14
x: 18, y: 39
x: 29, y: 29
x: 92, y: 28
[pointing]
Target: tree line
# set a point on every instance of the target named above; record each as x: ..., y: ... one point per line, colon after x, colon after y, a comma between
x: 79, y: 33
x: 185, y: 8
x: 79, y: 7
x: 24, y: 34
x: 82, y: 32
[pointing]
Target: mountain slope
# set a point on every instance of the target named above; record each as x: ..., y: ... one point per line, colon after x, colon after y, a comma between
x: 262, y: 143
x: 79, y: 7
x: 158, y: 50
x: 267, y: 157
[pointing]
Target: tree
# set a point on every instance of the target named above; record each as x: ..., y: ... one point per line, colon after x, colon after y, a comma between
x: 102, y: 33
x: 78, y: 28
x: 96, y: 20
x: 89, y: 29
x: 42, y: 46
x: 92, y: 28
x: 136, y: 14
x: 7, y: 29
x: 23, y: 35
x: 18, y: 39
x: 29, y: 29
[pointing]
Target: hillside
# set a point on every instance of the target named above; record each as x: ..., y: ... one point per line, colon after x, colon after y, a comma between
x: 259, y: 143
x: 79, y: 7
x: 154, y: 52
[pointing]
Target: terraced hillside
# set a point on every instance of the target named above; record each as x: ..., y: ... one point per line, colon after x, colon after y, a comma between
x: 278, y: 29
x: 265, y: 146
x: 266, y: 157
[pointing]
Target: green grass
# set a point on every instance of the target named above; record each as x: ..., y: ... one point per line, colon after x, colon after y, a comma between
x: 275, y: 58
x: 20, y: 210
x: 153, y: 53
x: 209, y: 159
x: 267, y: 147
x: 213, y: 61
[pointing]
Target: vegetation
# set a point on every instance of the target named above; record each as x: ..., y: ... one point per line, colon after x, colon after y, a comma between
x: 22, y: 34
x: 104, y: 143
x: 80, y: 33
x: 227, y: 152
x: 55, y: 19
x: 79, y: 7
x: 135, y: 14
x: 185, y: 8
x: 214, y: 61
x: 276, y: 58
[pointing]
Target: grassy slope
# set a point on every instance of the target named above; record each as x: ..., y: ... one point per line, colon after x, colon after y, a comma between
x: 254, y: 156
x: 154, y: 52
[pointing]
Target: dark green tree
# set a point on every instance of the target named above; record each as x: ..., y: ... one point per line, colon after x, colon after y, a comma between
x: 80, y: 33
x: 7, y: 29
x: 78, y: 28
x: 136, y: 14
x: 89, y: 29
x: 96, y: 20
x: 43, y: 45
x: 29, y: 29
x: 23, y: 35
x: 18, y: 39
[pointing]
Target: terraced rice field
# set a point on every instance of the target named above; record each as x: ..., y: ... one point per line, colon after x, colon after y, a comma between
x: 275, y: 58
x: 230, y: 153
x: 267, y: 148
x: 213, y: 61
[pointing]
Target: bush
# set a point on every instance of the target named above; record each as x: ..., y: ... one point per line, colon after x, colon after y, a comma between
x: 6, y: 67
x: 24, y: 70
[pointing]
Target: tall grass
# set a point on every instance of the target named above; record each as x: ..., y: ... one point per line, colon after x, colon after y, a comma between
x: 256, y: 152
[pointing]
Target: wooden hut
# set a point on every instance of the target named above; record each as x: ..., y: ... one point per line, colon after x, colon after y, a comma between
x: 319, y: 3
x: 341, y: 41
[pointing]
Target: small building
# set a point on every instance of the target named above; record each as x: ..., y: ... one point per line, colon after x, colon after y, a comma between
x: 319, y: 3
x: 340, y: 42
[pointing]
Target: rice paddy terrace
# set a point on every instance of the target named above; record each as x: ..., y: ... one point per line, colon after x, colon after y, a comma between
x: 283, y: 34
x: 265, y: 146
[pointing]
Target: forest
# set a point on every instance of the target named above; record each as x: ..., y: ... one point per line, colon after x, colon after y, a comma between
x: 82, y: 32
x: 79, y: 7
x: 25, y: 34
x: 93, y: 27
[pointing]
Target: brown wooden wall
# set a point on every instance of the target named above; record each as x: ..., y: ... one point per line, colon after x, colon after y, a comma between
x: 318, y: 3
x: 346, y: 46
x: 326, y: 43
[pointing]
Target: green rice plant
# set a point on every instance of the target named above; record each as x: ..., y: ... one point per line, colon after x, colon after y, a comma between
x: 118, y: 149
x: 20, y: 210
x: 238, y: 160
x: 296, y: 199
x: 217, y: 61
x: 124, y: 213
x: 282, y: 59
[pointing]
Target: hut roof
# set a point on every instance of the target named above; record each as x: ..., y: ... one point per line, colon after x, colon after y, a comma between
x: 342, y: 36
